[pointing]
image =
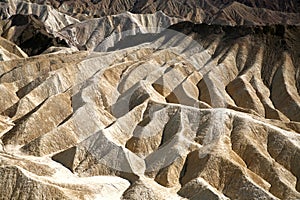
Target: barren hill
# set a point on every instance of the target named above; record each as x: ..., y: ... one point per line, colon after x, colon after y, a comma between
x: 150, y: 100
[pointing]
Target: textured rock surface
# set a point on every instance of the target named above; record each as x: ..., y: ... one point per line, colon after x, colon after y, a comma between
x: 232, y: 12
x: 149, y: 106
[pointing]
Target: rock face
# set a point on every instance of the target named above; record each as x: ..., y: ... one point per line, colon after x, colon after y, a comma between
x: 149, y: 104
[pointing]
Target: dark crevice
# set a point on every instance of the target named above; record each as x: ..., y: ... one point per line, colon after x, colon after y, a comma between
x: 22, y: 92
x: 65, y: 120
x: 11, y: 111
x: 183, y: 171
x: 171, y: 127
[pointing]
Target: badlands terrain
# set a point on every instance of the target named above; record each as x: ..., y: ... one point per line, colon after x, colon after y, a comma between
x: 135, y: 99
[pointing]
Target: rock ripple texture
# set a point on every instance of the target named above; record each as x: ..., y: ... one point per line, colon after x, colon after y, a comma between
x: 147, y: 100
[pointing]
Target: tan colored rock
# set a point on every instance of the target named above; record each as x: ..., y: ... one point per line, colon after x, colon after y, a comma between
x: 8, y: 97
x: 200, y: 189
x: 11, y: 187
x: 43, y: 179
x: 48, y: 116
x: 10, y: 50
x: 285, y: 95
x: 197, y: 111
x: 148, y: 189
x: 169, y: 176
x: 245, y: 96
x: 140, y: 191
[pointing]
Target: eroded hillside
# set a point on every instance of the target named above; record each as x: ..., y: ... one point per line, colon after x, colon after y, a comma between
x: 152, y: 100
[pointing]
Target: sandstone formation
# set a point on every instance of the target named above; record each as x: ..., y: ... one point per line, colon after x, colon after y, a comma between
x: 141, y: 100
